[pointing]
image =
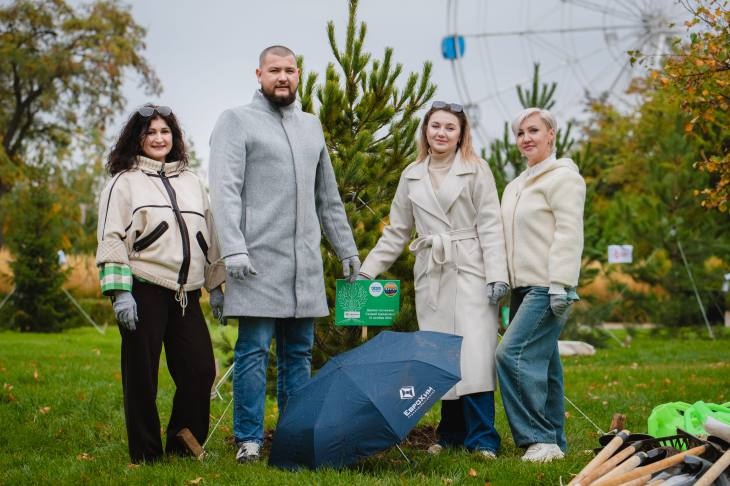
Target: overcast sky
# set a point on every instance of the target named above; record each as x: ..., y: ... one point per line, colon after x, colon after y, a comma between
x: 206, y: 53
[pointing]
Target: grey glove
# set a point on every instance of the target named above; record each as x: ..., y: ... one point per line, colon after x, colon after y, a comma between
x: 559, y: 304
x: 495, y: 291
x: 239, y: 266
x: 572, y: 294
x: 216, y: 304
x: 351, y: 268
x: 125, y: 308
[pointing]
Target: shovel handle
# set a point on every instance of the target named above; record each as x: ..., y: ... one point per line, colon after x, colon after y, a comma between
x: 715, y: 471
x: 629, y: 465
x: 641, y: 480
x: 602, y: 456
x: 610, y: 464
x: 657, y: 466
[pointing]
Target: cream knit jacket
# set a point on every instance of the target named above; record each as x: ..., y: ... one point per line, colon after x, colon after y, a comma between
x: 542, y: 212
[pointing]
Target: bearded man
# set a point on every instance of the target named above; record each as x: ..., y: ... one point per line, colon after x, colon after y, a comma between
x: 273, y: 193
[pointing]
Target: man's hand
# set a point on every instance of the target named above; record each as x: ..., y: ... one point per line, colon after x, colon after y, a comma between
x: 351, y: 267
x: 125, y: 308
x: 239, y: 266
x: 216, y: 304
x: 495, y: 291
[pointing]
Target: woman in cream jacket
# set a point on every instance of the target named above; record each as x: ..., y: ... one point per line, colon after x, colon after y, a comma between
x: 542, y: 210
x: 448, y: 195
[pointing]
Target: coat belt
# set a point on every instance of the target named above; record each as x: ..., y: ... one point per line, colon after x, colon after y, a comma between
x: 441, y: 253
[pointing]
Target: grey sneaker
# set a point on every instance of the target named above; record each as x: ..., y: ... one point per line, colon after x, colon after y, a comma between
x: 248, y: 451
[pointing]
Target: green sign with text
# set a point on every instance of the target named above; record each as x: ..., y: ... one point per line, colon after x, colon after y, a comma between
x: 366, y: 302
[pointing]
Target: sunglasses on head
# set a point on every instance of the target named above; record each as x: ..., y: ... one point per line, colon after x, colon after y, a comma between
x: 149, y: 110
x: 442, y: 105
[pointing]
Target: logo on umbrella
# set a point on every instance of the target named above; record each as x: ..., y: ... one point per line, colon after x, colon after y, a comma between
x: 407, y: 392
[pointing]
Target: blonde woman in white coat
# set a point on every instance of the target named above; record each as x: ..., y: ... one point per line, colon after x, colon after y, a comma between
x: 449, y: 196
x: 542, y: 210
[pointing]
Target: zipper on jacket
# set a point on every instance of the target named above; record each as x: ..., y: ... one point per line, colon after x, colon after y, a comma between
x: 203, y: 245
x: 154, y: 235
x: 182, y: 277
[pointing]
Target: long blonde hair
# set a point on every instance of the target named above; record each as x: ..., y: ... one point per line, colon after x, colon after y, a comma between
x: 465, y: 142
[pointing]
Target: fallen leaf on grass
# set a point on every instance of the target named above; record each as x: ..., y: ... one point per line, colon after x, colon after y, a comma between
x: 84, y: 456
x: 35, y: 375
x: 44, y: 410
x: 667, y: 381
x: 448, y: 481
x: 132, y: 466
x: 472, y: 473
x: 487, y: 483
x: 195, y: 481
x: 96, y: 351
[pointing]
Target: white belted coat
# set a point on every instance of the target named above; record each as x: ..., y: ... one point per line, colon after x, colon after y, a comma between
x: 459, y: 249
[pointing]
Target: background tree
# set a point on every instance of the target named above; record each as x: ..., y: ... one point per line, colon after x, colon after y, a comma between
x: 37, y: 303
x: 697, y: 76
x: 370, y: 126
x: 644, y: 185
x: 61, y: 75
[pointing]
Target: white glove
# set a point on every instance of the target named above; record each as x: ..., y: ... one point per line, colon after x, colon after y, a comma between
x: 239, y: 266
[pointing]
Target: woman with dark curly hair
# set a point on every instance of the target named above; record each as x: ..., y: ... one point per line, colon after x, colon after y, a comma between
x: 157, y: 248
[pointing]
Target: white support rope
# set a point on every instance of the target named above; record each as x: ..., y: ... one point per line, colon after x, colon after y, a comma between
x: 584, y: 415
x: 215, y: 427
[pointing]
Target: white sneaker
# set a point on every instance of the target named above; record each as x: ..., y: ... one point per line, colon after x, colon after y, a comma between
x: 540, y: 452
x: 486, y: 454
x: 248, y: 451
x: 435, y: 449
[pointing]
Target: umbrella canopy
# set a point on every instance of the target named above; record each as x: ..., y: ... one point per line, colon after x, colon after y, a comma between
x: 366, y: 399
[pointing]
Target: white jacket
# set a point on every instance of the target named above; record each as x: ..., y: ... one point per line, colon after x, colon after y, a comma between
x: 542, y: 213
x: 139, y: 226
x: 459, y: 250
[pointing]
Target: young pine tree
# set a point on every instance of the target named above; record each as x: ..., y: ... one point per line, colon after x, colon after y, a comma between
x: 370, y: 123
x: 34, y: 238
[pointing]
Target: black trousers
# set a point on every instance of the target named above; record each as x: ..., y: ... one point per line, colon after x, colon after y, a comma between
x: 189, y: 354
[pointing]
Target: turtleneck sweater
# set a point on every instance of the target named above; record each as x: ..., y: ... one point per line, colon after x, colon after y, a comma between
x: 439, y: 167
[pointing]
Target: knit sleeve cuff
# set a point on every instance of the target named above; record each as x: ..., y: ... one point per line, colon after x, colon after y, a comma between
x: 556, y: 289
x: 115, y: 276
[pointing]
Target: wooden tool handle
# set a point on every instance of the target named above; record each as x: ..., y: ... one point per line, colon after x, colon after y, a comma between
x: 610, y: 464
x: 715, y: 471
x: 657, y: 466
x: 187, y: 438
x: 601, y: 457
x: 629, y: 465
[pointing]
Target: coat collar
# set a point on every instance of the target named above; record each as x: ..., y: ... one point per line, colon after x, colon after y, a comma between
x: 423, y: 194
x: 149, y: 165
x: 260, y: 101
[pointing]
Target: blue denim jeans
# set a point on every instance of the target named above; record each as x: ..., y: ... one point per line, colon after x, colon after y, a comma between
x: 294, y: 339
x: 529, y: 370
x: 469, y: 422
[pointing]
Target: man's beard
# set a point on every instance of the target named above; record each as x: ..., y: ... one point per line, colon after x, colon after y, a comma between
x: 279, y: 100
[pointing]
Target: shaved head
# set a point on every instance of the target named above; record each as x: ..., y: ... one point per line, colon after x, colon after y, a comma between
x: 280, y: 51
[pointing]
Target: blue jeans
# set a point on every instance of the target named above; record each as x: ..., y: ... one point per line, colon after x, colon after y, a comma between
x: 529, y: 370
x: 469, y: 422
x: 294, y: 339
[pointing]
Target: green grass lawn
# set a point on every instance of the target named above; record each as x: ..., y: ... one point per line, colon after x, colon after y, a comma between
x: 61, y: 418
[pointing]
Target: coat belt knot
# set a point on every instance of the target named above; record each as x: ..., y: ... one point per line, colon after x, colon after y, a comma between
x: 441, y: 254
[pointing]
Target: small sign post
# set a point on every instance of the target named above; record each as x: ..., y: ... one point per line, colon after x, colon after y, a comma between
x: 366, y: 303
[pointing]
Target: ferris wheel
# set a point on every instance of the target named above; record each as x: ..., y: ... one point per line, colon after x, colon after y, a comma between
x: 580, y: 44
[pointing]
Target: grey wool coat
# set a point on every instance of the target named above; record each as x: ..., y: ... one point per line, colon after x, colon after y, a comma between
x: 273, y: 191
x: 459, y: 250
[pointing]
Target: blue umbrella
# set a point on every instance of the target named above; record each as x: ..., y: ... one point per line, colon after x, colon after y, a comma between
x: 366, y: 399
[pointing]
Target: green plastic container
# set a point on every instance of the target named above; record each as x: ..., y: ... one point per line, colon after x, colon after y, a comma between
x: 666, y: 418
